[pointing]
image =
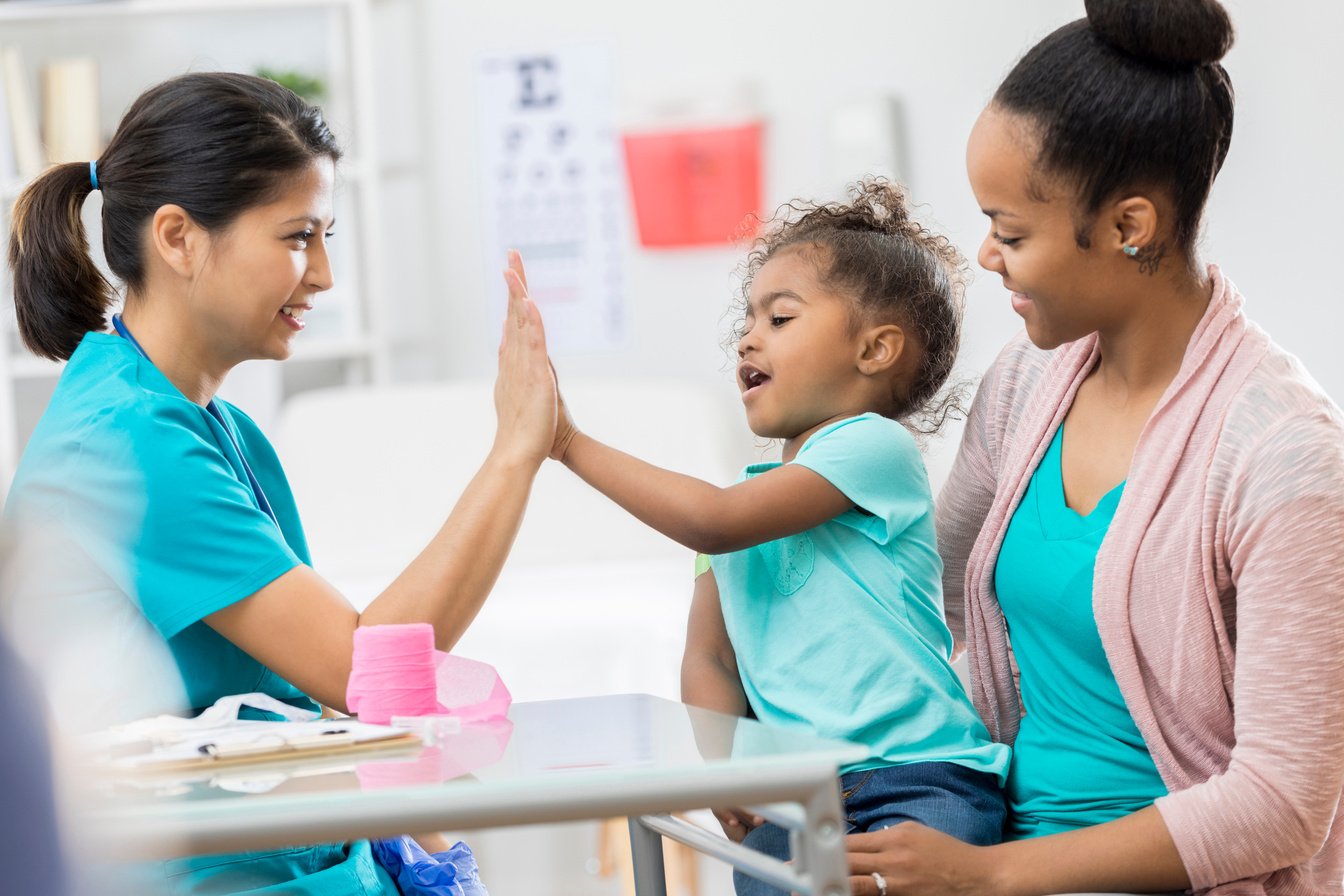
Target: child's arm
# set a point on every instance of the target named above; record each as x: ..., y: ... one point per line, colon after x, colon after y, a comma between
x: 709, y: 676
x: 783, y: 501
x: 709, y: 679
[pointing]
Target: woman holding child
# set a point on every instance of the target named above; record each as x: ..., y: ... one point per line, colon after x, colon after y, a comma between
x: 1146, y: 517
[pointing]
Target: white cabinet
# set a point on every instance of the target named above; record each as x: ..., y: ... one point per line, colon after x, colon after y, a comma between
x: 137, y: 43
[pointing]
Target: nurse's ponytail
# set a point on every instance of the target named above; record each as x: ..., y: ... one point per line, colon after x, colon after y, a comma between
x: 59, y: 293
x: 214, y: 143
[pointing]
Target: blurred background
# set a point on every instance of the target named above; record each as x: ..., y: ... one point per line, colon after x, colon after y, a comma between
x: 621, y: 146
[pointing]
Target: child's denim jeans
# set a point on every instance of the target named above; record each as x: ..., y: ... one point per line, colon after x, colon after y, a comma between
x: 950, y: 798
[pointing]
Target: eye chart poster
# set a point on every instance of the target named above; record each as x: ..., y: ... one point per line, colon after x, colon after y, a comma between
x: 552, y: 187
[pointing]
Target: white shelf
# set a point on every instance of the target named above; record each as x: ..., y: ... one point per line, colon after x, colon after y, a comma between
x: 43, y: 10
x: 349, y: 170
x: 345, y: 64
x: 331, y: 350
x: 31, y: 367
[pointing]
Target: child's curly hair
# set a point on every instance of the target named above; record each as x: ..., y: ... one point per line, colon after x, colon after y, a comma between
x: 896, y: 270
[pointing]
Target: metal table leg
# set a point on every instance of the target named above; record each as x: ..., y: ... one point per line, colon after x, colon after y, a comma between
x: 823, y: 853
x: 646, y: 848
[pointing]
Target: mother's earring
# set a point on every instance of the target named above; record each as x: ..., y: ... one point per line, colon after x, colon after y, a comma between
x: 1131, y: 251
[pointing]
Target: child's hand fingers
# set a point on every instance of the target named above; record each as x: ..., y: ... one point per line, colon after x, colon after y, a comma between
x: 736, y: 823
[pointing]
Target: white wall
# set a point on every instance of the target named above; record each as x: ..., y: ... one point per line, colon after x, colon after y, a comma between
x: 1270, y: 222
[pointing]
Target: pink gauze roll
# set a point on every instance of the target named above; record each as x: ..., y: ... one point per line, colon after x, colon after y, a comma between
x: 392, y: 672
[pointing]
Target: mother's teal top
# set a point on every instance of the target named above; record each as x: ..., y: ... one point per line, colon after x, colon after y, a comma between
x: 1079, y: 758
x: 137, y: 509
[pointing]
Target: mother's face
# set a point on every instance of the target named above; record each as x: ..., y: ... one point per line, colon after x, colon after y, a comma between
x: 1062, y: 291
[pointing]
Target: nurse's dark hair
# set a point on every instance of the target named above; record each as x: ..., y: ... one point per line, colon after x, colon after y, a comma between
x: 895, y: 270
x: 215, y: 143
x: 1130, y: 98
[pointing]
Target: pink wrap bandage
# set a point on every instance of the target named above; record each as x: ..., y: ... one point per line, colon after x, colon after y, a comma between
x: 396, y: 671
x: 392, y: 672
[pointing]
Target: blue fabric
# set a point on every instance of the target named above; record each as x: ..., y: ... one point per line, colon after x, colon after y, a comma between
x: 330, y: 869
x: 213, y: 407
x: 150, y: 492
x: 839, y: 630
x: 1079, y: 758
x: 31, y: 846
x: 950, y: 798
x: 417, y: 873
x: 144, y: 523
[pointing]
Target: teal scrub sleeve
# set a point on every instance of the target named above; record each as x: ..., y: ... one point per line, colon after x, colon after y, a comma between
x: 875, y: 462
x: 185, y: 515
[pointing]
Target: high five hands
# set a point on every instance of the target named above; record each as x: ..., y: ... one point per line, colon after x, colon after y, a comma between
x: 525, y: 393
x: 524, y: 317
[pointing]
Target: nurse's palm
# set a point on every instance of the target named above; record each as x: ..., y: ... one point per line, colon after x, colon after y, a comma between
x: 525, y: 394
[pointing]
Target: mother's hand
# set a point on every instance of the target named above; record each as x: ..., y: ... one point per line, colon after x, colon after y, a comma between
x: 525, y: 393
x: 912, y: 858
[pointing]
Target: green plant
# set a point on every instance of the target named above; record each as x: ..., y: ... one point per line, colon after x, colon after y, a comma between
x: 306, y: 86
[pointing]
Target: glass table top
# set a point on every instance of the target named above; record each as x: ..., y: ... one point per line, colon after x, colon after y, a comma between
x: 547, y: 744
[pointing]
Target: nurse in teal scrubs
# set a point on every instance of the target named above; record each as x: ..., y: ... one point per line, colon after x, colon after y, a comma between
x: 161, y: 552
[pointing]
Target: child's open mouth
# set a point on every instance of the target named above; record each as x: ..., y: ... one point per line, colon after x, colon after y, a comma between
x: 751, y: 378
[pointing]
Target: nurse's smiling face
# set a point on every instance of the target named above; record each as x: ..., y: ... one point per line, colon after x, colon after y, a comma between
x: 1062, y: 290
x: 263, y: 272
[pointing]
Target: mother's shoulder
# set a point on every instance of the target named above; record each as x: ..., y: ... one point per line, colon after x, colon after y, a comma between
x: 1279, y: 394
x: 1019, y: 368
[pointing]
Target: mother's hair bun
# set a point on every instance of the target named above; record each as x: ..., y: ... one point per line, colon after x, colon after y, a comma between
x: 1165, y: 32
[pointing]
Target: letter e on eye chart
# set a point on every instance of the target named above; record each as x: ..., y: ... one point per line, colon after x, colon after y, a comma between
x: 552, y: 187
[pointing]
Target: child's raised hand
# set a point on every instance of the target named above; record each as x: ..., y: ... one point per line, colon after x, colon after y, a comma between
x: 565, y: 430
x: 737, y: 823
x: 525, y: 396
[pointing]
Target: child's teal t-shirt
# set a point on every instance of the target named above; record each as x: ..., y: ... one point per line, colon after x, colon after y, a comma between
x: 839, y: 630
x: 135, y: 520
x: 1078, y: 758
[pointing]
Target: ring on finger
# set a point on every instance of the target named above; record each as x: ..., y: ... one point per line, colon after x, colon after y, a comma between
x: 881, y: 884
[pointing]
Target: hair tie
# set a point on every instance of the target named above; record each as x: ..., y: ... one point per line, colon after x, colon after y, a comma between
x: 93, y: 174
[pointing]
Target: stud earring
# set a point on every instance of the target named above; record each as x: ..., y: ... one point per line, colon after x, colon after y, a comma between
x: 1131, y: 251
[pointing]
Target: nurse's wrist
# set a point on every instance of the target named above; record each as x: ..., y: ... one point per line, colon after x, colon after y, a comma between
x: 515, y: 459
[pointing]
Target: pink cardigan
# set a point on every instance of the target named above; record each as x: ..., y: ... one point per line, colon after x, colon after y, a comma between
x: 1218, y: 591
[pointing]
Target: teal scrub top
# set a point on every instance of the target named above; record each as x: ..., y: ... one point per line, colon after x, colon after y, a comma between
x: 1079, y: 759
x: 141, y: 500
x: 839, y: 630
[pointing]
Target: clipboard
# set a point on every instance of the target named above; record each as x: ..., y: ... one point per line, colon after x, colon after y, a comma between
x: 256, y: 742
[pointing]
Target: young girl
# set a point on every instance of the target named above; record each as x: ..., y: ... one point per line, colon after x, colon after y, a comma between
x: 821, y: 608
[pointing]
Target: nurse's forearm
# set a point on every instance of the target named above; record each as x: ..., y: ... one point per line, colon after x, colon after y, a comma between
x: 451, y: 578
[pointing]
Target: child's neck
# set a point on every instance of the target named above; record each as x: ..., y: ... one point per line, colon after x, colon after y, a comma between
x: 794, y: 444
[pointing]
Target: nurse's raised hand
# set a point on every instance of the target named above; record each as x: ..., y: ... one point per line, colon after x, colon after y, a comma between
x: 525, y: 394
